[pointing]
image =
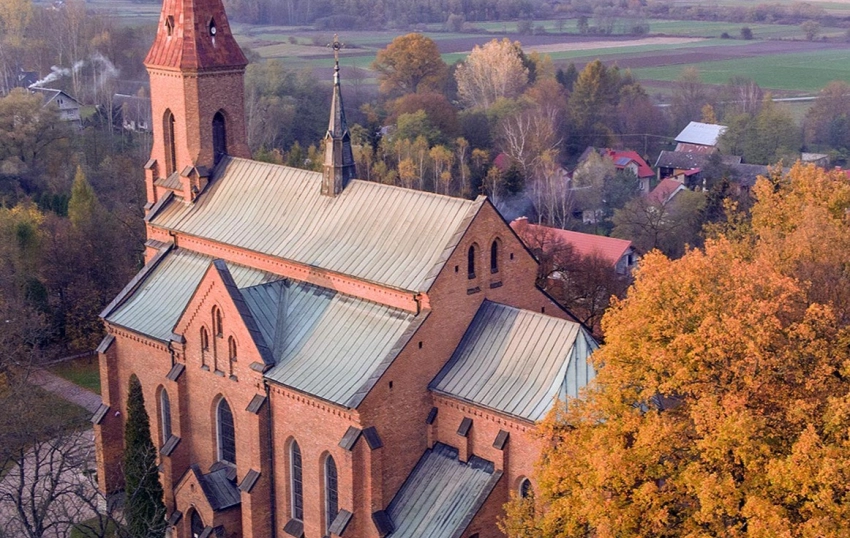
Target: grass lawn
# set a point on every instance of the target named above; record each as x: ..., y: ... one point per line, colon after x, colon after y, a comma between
x: 84, y: 372
x: 63, y: 415
x: 797, y: 71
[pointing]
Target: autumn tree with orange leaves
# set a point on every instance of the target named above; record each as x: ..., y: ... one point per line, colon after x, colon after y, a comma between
x: 722, y: 401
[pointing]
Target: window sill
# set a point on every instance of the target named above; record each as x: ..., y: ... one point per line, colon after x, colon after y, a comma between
x: 472, y: 291
x: 494, y: 285
x: 233, y: 378
x: 205, y: 368
x: 219, y: 373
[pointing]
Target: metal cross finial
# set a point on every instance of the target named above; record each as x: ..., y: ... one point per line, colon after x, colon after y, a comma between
x: 336, y: 46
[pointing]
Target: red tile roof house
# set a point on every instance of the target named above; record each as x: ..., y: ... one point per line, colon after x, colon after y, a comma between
x: 665, y: 191
x: 625, y: 160
x: 619, y: 252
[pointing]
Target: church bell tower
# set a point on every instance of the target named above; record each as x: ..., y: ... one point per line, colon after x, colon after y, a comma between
x: 197, y: 97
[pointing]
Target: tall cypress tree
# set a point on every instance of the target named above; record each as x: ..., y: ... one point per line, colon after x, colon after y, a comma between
x: 143, y: 506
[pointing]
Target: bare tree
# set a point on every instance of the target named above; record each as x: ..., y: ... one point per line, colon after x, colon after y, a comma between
x: 49, y: 485
x: 490, y: 72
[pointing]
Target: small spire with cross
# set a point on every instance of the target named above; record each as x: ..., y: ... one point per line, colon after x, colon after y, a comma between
x: 336, y: 46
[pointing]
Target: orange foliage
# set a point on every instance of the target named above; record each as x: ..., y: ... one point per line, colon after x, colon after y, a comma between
x: 721, y: 405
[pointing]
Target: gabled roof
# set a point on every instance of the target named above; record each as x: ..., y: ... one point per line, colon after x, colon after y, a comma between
x: 704, y: 134
x: 686, y: 160
x: 517, y: 362
x: 327, y: 344
x: 395, y: 237
x: 318, y: 341
x: 608, y: 248
x: 50, y: 94
x: 441, y: 495
x: 665, y: 191
x: 623, y: 158
x: 155, y: 303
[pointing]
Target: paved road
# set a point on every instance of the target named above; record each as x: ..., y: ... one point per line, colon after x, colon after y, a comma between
x: 65, y: 389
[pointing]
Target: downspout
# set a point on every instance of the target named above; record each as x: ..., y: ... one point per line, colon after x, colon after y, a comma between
x: 270, y: 441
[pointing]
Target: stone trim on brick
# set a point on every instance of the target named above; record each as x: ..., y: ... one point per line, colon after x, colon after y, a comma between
x: 501, y: 440
x: 97, y: 418
x: 176, y: 371
x: 465, y: 425
x: 383, y: 523
x: 372, y: 438
x: 349, y: 439
x: 340, y: 522
x: 249, y: 481
x: 169, y: 446
x: 294, y: 528
x: 256, y: 404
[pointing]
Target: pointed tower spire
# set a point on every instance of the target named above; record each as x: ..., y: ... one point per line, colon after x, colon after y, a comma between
x: 339, y: 158
x: 197, y: 97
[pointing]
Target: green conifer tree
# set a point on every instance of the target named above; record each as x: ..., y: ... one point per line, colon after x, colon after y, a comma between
x: 83, y: 203
x: 143, y: 505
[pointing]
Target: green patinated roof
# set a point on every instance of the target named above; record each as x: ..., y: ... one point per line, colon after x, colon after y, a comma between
x: 518, y: 362
x: 396, y: 237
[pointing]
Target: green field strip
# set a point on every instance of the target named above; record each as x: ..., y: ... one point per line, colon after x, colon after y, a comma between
x: 795, y: 71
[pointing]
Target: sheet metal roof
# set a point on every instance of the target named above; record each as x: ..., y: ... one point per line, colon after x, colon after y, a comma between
x: 391, y: 236
x: 219, y: 490
x: 517, y: 362
x: 441, y: 495
x: 324, y: 343
x: 704, y: 134
x: 321, y: 342
x: 155, y: 306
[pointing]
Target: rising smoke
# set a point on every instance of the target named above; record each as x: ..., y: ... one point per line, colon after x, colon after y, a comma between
x: 103, y: 70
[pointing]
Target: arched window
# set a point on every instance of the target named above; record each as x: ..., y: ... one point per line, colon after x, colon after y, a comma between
x: 205, y: 345
x: 231, y: 352
x: 525, y: 490
x: 218, y: 326
x: 170, y: 151
x: 219, y: 132
x: 295, y: 482
x: 197, y: 524
x: 331, y: 492
x: 494, y: 257
x: 165, y: 415
x: 226, y: 433
x: 470, y: 262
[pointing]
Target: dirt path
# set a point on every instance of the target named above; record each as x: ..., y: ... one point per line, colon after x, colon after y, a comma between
x: 65, y: 389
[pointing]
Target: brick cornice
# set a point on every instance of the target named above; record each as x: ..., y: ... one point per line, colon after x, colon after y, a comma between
x: 402, y: 299
x: 505, y: 421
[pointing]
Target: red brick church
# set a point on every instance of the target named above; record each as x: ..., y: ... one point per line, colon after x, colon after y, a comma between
x: 320, y: 355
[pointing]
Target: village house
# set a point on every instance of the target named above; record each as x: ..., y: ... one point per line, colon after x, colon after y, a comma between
x: 619, y: 253
x: 68, y: 107
x: 320, y: 355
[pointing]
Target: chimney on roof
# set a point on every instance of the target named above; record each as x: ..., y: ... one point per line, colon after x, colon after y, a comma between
x: 339, y: 158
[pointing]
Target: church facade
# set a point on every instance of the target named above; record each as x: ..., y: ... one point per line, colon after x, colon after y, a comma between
x: 320, y: 355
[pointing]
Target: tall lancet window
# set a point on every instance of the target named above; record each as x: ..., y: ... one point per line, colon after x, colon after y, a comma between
x: 219, y: 133
x: 168, y: 139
